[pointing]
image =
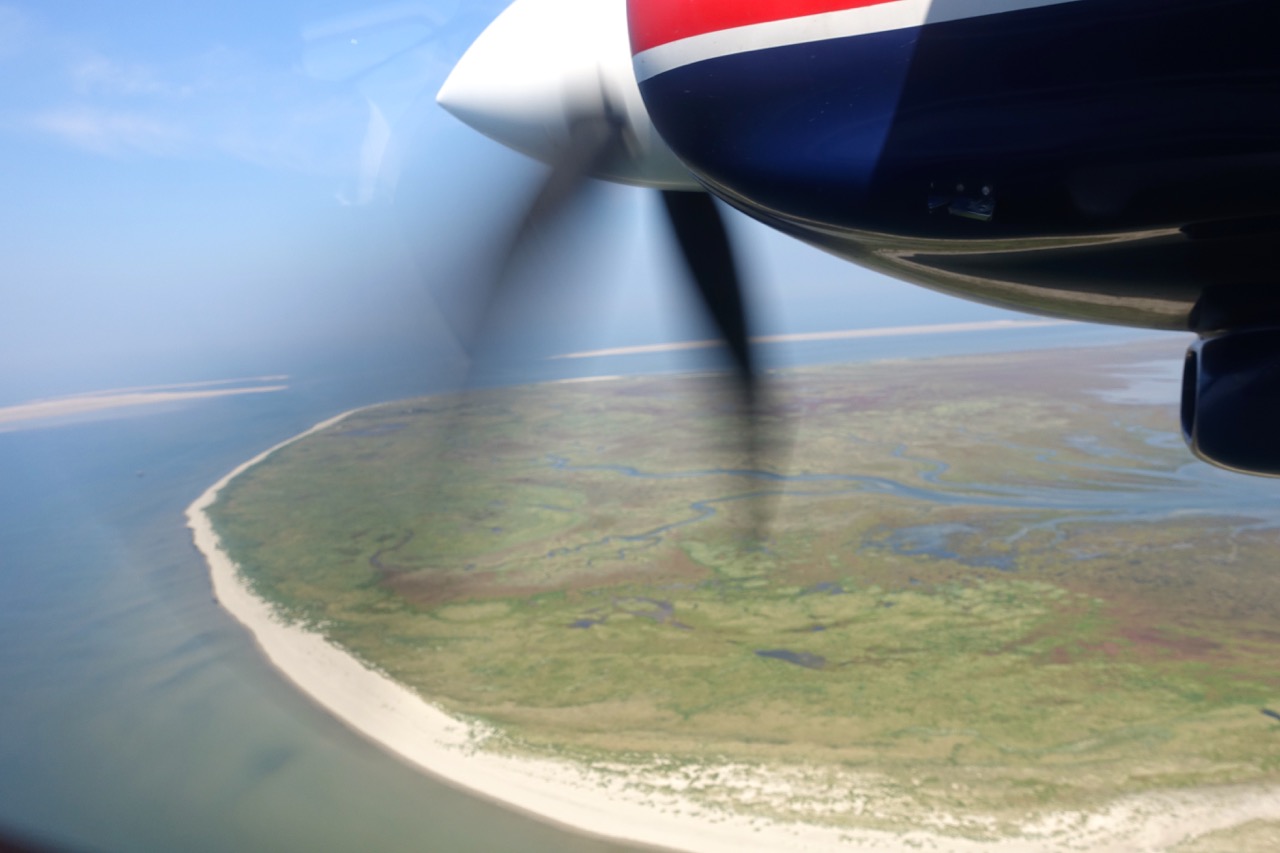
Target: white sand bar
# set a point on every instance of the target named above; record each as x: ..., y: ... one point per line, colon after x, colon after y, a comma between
x: 616, y: 805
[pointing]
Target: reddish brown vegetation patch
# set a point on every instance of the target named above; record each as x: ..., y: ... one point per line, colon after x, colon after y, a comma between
x: 1059, y: 655
x: 434, y: 588
x: 1166, y: 644
x: 429, y: 588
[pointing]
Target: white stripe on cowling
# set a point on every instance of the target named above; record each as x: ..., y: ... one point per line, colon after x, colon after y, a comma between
x: 864, y: 20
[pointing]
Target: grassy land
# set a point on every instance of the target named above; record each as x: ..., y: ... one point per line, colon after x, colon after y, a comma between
x: 975, y: 605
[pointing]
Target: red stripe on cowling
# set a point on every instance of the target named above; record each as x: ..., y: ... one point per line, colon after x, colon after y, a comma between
x: 655, y: 22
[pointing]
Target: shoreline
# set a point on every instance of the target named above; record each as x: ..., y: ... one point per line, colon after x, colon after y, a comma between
x: 616, y: 807
x: 415, y: 731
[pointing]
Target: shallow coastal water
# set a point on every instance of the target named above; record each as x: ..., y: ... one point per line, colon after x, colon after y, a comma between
x: 137, y: 715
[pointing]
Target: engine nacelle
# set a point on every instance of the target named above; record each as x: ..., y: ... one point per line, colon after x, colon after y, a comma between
x: 1231, y: 400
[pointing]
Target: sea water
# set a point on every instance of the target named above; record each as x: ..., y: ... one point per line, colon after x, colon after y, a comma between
x: 135, y: 713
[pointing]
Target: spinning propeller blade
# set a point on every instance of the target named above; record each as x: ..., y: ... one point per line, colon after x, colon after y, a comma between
x: 574, y: 104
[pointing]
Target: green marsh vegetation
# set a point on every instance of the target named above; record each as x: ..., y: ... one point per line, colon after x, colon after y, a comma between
x: 985, y: 589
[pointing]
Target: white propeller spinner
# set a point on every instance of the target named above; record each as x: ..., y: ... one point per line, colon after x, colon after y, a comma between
x: 543, y: 63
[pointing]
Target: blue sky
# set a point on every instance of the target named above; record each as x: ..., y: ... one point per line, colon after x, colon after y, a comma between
x: 198, y: 190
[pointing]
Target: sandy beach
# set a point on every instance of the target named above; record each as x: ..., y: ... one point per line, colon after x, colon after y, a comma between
x: 644, y: 807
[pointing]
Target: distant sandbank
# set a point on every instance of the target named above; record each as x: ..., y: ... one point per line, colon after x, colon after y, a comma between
x: 86, y: 405
x: 839, y: 335
x: 621, y: 803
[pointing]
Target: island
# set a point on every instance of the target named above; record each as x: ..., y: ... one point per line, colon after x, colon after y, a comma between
x: 995, y: 605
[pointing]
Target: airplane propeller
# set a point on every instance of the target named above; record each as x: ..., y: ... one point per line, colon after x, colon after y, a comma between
x: 595, y: 138
x: 574, y: 104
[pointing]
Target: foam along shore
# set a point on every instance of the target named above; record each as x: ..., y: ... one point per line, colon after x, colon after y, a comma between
x: 635, y: 805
